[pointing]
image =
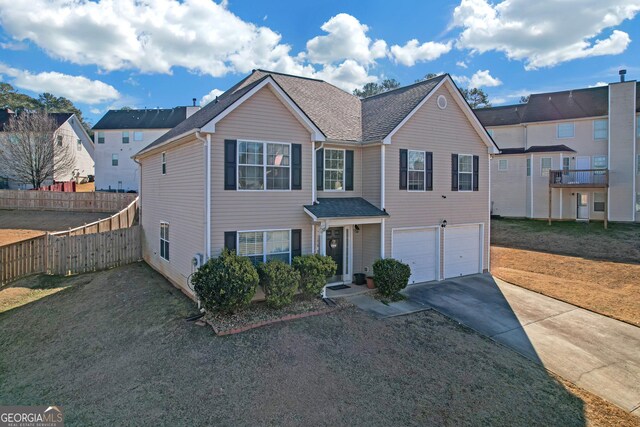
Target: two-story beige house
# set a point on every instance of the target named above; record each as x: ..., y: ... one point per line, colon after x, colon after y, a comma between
x: 283, y: 165
x: 568, y: 155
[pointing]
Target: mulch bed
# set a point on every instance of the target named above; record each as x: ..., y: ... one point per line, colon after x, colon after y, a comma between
x: 259, y: 314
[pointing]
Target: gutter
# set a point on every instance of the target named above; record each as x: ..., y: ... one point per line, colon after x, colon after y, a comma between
x: 148, y: 150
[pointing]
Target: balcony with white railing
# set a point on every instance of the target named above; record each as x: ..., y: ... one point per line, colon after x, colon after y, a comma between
x: 579, y: 178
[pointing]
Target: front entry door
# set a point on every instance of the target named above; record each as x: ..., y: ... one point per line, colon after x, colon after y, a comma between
x: 583, y: 205
x: 335, y: 249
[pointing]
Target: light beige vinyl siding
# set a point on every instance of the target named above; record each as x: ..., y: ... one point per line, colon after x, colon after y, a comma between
x: 371, y: 177
x: 370, y: 247
x: 357, y: 173
x: 509, y: 194
x: 176, y: 198
x: 263, y: 117
x: 442, y: 132
x: 545, y: 134
x: 541, y: 187
x: 508, y: 136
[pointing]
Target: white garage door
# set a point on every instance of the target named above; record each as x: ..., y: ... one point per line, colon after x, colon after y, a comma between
x: 462, y: 250
x: 419, y: 249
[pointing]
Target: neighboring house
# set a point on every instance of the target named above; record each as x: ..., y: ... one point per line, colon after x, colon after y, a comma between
x: 283, y: 165
x: 70, y: 132
x: 120, y: 134
x: 576, y: 151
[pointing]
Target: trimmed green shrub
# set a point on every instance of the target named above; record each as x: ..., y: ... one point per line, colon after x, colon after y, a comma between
x: 226, y: 283
x: 314, y: 271
x: 391, y: 276
x: 279, y: 282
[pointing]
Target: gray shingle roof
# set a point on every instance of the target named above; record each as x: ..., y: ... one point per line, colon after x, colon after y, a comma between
x: 60, y: 118
x: 382, y: 113
x: 568, y: 104
x: 344, y: 207
x: 538, y: 149
x: 142, y: 119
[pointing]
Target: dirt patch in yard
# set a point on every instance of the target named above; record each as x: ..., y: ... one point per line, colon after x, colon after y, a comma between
x: 608, y: 288
x: 8, y: 236
x: 118, y: 347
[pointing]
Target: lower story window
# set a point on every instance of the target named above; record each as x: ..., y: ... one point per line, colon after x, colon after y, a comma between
x: 164, y: 240
x: 598, y: 202
x: 263, y: 246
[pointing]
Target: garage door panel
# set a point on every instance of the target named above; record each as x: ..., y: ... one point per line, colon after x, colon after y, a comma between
x: 462, y: 250
x: 419, y: 249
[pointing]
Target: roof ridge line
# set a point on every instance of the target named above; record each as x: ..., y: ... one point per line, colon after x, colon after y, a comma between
x: 404, y: 87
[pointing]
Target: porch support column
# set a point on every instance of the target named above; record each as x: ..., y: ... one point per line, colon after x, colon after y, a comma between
x: 313, y: 238
x: 382, y: 232
x: 550, y: 189
x: 606, y: 207
x: 323, y: 240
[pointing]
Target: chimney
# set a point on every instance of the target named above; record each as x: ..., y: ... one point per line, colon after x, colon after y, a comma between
x: 194, y: 101
x: 622, y: 74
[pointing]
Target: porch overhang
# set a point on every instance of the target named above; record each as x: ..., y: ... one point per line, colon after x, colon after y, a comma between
x: 344, y: 211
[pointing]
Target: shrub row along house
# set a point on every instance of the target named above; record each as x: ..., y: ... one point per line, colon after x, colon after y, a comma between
x: 568, y: 155
x: 69, y: 139
x: 282, y: 165
x: 120, y: 134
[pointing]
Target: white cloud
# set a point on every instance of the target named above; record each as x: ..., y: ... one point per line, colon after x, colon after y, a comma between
x: 210, y: 97
x: 95, y: 111
x: 544, y: 34
x: 461, y: 64
x: 413, y: 52
x: 14, y: 46
x: 481, y: 78
x: 346, y: 39
x: 349, y: 75
x: 75, y: 88
x: 598, y: 84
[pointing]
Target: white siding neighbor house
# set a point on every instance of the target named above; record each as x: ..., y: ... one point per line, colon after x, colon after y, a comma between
x: 120, y: 134
x: 282, y: 165
x: 570, y: 155
x: 70, y: 133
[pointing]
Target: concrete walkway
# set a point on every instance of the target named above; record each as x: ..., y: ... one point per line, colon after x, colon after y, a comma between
x: 595, y: 352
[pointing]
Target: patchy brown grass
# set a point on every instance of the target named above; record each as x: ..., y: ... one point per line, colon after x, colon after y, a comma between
x: 9, y: 236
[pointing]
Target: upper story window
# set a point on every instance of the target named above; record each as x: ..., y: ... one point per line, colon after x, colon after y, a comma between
x: 114, y: 160
x: 100, y: 137
x: 566, y: 164
x: 465, y: 172
x: 528, y: 167
x: 264, y: 246
x: 333, y: 170
x: 600, y: 162
x: 59, y: 138
x: 545, y: 166
x: 137, y: 136
x: 79, y: 144
x: 164, y: 163
x: 416, y: 170
x: 164, y: 240
x: 601, y: 129
x: 638, y: 126
x: 638, y: 165
x: 125, y: 137
x: 566, y: 130
x: 261, y: 163
x: 503, y: 164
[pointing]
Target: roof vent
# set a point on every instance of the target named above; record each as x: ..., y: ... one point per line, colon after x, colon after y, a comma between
x: 194, y: 101
x: 622, y: 75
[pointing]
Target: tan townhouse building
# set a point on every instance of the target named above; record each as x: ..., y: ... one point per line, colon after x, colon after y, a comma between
x: 283, y: 165
x: 570, y: 155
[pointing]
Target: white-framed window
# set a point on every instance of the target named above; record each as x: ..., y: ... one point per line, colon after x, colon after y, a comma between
x: 465, y: 172
x: 333, y: 169
x: 566, y: 164
x: 545, y: 166
x: 164, y: 163
x: 59, y: 138
x: 416, y: 176
x: 261, y: 163
x: 263, y: 246
x: 114, y: 160
x: 503, y: 164
x: 599, y: 162
x: 125, y: 136
x: 638, y: 202
x: 79, y: 144
x: 164, y: 240
x: 138, y: 136
x: 100, y: 137
x: 566, y: 130
x: 638, y: 164
x: 601, y: 129
x: 638, y: 126
x: 598, y: 202
x: 529, y: 167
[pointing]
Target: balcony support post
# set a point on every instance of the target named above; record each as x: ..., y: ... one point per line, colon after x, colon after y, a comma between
x: 606, y: 206
x: 550, y: 189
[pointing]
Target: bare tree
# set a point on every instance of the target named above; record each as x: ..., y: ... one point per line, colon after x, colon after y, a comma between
x: 32, y: 149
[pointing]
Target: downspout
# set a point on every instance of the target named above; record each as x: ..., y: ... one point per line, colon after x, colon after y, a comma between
x: 207, y: 189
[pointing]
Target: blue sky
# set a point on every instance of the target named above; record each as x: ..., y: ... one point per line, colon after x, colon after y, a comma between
x: 162, y: 53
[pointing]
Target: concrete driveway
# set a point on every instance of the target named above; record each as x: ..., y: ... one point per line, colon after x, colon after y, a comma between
x: 595, y: 352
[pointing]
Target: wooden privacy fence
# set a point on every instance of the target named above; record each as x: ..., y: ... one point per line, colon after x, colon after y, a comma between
x: 65, y: 255
x: 69, y: 202
x: 123, y: 219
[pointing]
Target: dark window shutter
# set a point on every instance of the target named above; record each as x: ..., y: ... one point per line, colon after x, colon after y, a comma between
x: 454, y: 172
x: 296, y: 166
x: 476, y: 166
x: 403, y: 169
x: 320, y: 169
x: 296, y: 243
x: 230, y: 240
x: 230, y: 164
x: 348, y: 170
x: 428, y: 177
